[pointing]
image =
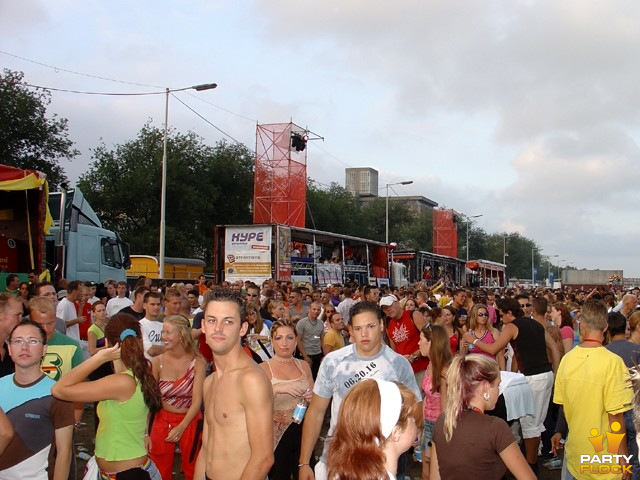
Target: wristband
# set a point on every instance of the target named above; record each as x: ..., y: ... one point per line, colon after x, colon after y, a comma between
x: 303, y: 465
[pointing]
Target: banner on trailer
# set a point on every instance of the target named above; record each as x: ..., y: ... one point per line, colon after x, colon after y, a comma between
x: 283, y: 255
x: 247, y: 254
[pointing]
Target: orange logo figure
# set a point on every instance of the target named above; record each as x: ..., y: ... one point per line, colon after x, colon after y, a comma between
x: 614, y: 439
x: 596, y: 440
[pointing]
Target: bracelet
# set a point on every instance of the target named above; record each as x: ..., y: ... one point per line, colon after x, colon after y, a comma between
x: 303, y: 465
x: 476, y: 341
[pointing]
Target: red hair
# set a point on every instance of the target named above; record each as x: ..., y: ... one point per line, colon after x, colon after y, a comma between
x: 356, y: 448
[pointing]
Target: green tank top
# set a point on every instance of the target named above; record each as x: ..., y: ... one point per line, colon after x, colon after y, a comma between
x: 120, y: 434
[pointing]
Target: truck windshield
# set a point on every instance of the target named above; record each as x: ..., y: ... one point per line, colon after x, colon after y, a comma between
x: 111, y: 253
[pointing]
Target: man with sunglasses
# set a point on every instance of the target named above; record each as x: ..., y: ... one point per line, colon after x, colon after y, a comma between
x: 525, y: 304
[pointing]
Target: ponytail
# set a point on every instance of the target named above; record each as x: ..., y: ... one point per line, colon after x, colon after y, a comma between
x: 132, y: 356
x: 463, y: 378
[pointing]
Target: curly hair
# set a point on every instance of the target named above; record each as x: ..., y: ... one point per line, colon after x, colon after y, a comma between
x: 356, y: 448
x: 132, y: 356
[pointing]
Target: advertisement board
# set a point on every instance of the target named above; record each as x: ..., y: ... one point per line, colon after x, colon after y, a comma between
x: 247, y: 254
x: 283, y: 255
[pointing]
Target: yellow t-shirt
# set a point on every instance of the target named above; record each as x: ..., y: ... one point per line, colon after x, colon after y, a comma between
x: 590, y: 384
x: 333, y: 338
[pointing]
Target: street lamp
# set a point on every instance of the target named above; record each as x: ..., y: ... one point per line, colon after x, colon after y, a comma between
x: 386, y: 223
x: 163, y: 194
x: 468, y: 222
x: 549, y: 257
x: 533, y: 269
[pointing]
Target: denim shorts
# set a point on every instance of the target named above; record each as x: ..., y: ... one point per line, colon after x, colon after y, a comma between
x: 427, y: 434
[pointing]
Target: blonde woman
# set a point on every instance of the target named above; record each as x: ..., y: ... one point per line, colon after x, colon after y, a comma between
x: 473, y: 382
x: 180, y: 373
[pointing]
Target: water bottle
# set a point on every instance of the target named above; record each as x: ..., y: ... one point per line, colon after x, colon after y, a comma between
x: 471, y: 346
x: 417, y: 453
x: 300, y: 410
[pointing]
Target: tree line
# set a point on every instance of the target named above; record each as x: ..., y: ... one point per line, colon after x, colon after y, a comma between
x: 207, y: 186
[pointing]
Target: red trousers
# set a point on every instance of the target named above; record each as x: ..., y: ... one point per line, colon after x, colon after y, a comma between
x: 162, y: 452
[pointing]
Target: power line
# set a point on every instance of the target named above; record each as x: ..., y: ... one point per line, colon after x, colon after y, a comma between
x: 83, y: 92
x: 210, y: 123
x: 58, y: 69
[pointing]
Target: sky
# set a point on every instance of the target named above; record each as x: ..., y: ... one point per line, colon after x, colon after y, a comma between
x: 524, y: 112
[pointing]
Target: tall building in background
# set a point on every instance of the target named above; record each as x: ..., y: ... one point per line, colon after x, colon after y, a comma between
x: 362, y: 181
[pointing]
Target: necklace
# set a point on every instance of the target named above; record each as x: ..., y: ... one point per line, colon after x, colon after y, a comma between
x: 472, y: 408
x: 594, y: 340
x: 283, y: 360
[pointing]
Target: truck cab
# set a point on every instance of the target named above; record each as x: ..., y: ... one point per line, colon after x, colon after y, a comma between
x: 78, y: 247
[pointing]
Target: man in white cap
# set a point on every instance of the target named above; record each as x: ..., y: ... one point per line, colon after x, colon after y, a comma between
x: 403, y: 332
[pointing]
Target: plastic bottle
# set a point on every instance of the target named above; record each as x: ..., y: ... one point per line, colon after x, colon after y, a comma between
x: 300, y: 410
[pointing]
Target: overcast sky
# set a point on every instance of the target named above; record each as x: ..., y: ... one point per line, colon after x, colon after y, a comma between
x: 526, y: 112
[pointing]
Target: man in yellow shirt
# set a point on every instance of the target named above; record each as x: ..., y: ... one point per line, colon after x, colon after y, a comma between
x: 333, y: 339
x: 592, y: 386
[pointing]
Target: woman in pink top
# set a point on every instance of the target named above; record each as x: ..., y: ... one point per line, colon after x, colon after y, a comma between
x: 562, y: 319
x: 434, y: 343
x: 180, y: 373
x: 480, y: 327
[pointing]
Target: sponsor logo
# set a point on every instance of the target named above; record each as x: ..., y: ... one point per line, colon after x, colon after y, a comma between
x: 606, y: 463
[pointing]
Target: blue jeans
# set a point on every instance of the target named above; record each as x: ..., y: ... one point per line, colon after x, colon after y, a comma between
x: 632, y: 444
x: 566, y: 474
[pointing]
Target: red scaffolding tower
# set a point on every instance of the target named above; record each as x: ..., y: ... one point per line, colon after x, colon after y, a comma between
x: 280, y: 180
x: 445, y: 233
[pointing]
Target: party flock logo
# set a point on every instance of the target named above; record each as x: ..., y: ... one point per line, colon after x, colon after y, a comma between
x: 610, y: 462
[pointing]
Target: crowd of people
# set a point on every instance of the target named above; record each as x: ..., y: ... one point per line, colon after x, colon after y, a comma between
x: 238, y: 378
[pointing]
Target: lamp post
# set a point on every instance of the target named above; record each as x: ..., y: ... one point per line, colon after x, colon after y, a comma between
x: 163, y: 194
x: 468, y: 222
x: 549, y: 257
x: 533, y: 269
x: 386, y: 223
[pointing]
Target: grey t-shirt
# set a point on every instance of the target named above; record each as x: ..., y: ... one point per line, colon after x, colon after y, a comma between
x: 628, y: 351
x: 342, y: 369
x: 311, y: 333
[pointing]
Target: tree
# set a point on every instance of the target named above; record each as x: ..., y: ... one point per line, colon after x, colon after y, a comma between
x: 206, y: 186
x: 332, y: 209
x: 28, y: 139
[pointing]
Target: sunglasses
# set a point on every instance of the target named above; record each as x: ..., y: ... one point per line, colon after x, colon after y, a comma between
x: 483, y: 314
x: 525, y: 304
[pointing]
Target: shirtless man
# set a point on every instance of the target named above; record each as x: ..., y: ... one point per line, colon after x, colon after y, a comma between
x: 237, y: 439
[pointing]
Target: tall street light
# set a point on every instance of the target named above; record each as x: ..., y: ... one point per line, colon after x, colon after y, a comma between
x: 386, y: 223
x: 549, y: 257
x: 163, y: 195
x: 468, y: 222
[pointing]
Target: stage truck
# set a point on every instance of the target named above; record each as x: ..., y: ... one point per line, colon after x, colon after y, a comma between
x: 429, y: 267
x: 58, y: 234
x: 262, y: 251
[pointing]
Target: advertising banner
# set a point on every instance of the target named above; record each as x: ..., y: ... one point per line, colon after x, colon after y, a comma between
x: 283, y: 255
x: 247, y: 253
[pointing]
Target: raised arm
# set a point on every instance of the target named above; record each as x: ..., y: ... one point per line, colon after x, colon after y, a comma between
x: 509, y: 332
x: 72, y: 386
